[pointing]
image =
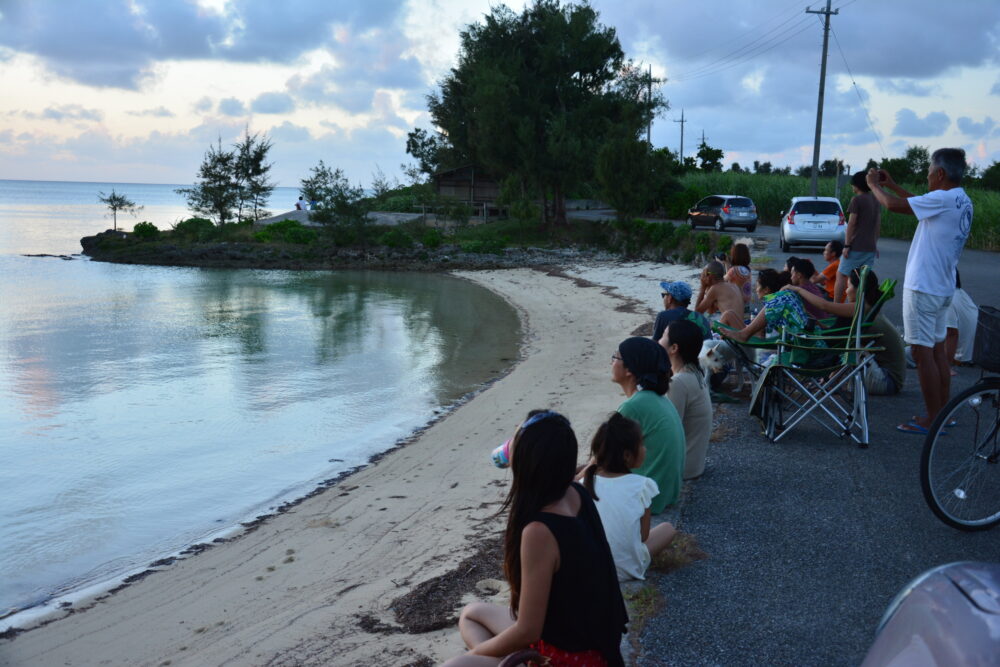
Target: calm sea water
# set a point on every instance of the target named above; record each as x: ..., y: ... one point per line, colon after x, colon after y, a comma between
x: 145, y: 408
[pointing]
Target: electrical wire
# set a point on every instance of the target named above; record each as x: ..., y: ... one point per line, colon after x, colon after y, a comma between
x: 779, y: 40
x: 857, y: 90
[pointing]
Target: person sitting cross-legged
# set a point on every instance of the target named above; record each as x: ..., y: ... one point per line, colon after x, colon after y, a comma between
x: 782, y: 308
x: 721, y: 301
x: 676, y: 299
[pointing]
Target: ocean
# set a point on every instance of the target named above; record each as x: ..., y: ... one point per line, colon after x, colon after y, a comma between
x: 144, y: 409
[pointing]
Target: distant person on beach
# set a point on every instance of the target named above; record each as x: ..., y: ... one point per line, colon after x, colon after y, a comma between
x: 689, y: 392
x: 301, y: 205
x: 623, y: 498
x: 864, y: 220
x: 676, y: 299
x: 945, y: 219
x: 565, y: 603
x: 719, y: 300
x: 827, y: 278
x: 885, y: 376
x: 641, y: 368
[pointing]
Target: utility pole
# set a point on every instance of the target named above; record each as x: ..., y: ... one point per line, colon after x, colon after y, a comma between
x: 822, y: 86
x: 681, y: 121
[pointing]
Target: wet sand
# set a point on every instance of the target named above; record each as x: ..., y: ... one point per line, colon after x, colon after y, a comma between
x: 373, y: 569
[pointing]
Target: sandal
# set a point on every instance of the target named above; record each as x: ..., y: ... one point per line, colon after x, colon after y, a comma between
x: 916, y: 429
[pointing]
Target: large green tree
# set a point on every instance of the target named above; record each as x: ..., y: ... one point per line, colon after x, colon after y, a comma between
x: 534, y: 96
x: 252, y: 175
x: 711, y: 158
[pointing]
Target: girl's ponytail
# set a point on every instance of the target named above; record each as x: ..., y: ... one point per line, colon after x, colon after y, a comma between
x: 597, y: 454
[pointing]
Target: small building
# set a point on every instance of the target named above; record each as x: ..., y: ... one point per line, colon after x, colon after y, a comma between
x: 468, y: 184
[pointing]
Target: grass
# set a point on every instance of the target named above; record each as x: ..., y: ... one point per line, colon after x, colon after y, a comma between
x: 771, y: 194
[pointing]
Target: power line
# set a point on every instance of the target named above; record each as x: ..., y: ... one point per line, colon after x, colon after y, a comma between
x: 779, y: 40
x: 857, y: 90
x: 736, y: 52
x: 751, y: 31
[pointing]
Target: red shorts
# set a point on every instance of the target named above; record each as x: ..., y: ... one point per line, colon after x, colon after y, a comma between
x: 560, y: 658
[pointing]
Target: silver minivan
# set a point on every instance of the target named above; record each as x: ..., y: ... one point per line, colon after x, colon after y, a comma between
x: 721, y: 211
x: 812, y: 221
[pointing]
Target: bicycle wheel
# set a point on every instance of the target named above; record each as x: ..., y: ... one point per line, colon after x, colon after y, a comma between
x: 960, y: 465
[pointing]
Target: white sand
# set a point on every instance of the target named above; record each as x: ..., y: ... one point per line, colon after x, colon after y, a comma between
x: 291, y: 592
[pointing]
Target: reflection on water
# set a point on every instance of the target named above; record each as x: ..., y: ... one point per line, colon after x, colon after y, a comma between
x: 142, y: 408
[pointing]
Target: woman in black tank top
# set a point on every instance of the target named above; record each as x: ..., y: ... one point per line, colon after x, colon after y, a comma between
x: 565, y: 602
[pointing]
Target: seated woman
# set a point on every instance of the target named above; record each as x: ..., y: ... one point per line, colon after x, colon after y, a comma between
x: 782, y: 308
x: 565, y: 602
x: 641, y: 368
x: 739, y: 271
x: 885, y: 376
x: 689, y: 393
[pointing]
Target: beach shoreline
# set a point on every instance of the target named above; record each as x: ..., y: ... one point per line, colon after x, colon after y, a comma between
x: 315, y: 584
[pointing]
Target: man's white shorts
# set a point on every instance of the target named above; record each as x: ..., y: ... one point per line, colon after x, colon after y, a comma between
x: 925, y: 318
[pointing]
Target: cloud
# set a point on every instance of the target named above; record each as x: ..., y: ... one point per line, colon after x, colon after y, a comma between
x: 995, y: 90
x: 906, y: 87
x: 67, y: 112
x: 909, y: 124
x: 289, y: 132
x: 203, y: 105
x: 273, y: 103
x: 158, y: 112
x: 232, y: 107
x: 976, y: 130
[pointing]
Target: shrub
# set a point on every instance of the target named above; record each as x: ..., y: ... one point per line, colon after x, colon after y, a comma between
x: 485, y: 246
x: 396, y: 238
x: 702, y: 243
x: 145, y: 231
x: 432, y: 238
x: 723, y: 243
x: 196, y: 229
x: 286, y: 231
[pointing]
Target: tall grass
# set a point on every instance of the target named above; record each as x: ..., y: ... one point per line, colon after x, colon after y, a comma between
x: 771, y: 193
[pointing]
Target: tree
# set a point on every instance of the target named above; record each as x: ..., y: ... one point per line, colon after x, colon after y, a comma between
x: 991, y: 176
x: 428, y: 149
x: 118, y: 202
x: 338, y: 202
x: 781, y: 171
x: 251, y: 174
x: 829, y: 168
x: 711, y: 158
x: 381, y: 185
x: 217, y: 192
x: 535, y: 95
x: 761, y: 167
x: 918, y: 158
x: 805, y: 171
x: 735, y: 168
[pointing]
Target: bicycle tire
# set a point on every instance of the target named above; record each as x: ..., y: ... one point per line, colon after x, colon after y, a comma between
x: 960, y: 462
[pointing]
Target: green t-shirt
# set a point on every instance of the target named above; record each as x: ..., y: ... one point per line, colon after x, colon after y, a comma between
x: 893, y: 357
x: 663, y: 434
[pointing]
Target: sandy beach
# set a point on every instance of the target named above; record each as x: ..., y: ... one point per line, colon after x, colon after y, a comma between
x: 316, y: 584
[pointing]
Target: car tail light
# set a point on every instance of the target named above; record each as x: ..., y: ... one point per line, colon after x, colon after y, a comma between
x: 791, y: 217
x: 725, y: 209
x: 841, y: 214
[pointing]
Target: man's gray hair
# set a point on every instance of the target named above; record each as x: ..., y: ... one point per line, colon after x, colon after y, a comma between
x: 952, y: 160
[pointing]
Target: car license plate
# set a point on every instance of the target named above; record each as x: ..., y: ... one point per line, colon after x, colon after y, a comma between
x: 743, y: 214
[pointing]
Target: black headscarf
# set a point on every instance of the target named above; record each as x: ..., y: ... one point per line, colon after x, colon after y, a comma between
x: 647, y: 361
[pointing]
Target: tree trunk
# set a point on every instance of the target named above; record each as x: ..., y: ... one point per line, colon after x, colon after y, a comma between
x: 559, y: 206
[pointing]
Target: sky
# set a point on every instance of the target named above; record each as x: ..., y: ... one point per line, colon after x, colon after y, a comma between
x: 137, y: 90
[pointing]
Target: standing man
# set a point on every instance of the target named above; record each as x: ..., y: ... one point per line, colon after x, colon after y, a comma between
x: 861, y: 238
x: 945, y: 215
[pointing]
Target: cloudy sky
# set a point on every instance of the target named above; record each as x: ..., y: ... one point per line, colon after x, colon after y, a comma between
x: 136, y: 90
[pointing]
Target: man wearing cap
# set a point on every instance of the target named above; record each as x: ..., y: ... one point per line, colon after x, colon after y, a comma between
x: 676, y: 299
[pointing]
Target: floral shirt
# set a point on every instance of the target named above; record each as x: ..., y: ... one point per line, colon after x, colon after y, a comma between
x: 784, y: 309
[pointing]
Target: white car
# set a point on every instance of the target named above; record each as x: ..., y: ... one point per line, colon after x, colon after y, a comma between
x: 812, y: 221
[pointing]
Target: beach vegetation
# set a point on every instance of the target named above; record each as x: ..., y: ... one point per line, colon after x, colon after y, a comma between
x: 286, y: 231
x: 195, y: 229
x: 396, y: 238
x: 534, y: 97
x: 252, y: 175
x: 116, y: 202
x: 216, y: 193
x: 632, y: 177
x: 145, y: 231
x: 432, y: 238
x: 341, y: 208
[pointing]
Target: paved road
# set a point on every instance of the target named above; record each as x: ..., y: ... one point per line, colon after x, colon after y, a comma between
x: 811, y: 538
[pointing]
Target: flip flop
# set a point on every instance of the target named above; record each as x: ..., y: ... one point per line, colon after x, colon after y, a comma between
x: 916, y: 429
x: 912, y: 427
x: 949, y: 424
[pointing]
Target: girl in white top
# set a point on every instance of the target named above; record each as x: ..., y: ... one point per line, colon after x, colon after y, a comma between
x: 623, y: 498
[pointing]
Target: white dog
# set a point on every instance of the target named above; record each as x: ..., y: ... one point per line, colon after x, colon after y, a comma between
x: 714, y: 355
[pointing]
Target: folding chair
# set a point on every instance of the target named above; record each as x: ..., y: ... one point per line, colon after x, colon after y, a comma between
x: 820, y: 376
